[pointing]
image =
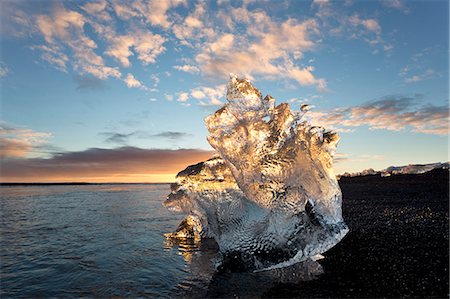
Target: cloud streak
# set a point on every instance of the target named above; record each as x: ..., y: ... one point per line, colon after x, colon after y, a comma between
x: 393, y: 113
x: 18, y: 142
x: 124, y: 138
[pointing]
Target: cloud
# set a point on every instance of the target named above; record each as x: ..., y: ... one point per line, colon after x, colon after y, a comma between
x: 269, y: 49
x: 68, y: 42
x: 416, y: 78
x: 193, y: 27
x: 3, y: 70
x: 335, y: 20
x: 418, y: 67
x: 183, y: 97
x: 14, y: 148
x: 64, y: 30
x: 104, y: 165
x: 394, y: 113
x: 340, y: 157
x: 208, y: 96
x: 124, y: 138
x: 132, y: 82
x: 187, y: 68
x: 97, y: 9
x: 88, y: 83
x: 114, y: 137
x: 172, y: 135
x: 367, y: 29
x: 153, y: 12
x: 19, y: 142
x: 320, y: 3
x: 146, y: 44
x: 369, y: 24
x: 83, y: 37
x: 397, y: 4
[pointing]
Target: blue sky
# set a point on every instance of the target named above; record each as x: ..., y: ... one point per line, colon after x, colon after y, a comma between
x: 141, y: 75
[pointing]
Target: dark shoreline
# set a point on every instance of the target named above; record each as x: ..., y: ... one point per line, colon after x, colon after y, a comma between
x: 398, y: 244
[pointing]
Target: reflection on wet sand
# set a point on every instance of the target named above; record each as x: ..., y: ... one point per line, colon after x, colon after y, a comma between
x: 204, y: 280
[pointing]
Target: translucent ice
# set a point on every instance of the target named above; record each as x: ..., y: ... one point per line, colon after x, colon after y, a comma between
x: 270, y: 198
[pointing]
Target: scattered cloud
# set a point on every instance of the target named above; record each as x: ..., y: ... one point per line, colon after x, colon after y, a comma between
x: 320, y: 3
x: 187, y: 68
x: 369, y: 24
x: 394, y: 113
x: 369, y: 30
x: 97, y: 9
x: 146, y: 44
x: 63, y: 31
x: 416, y: 78
x: 418, y: 70
x: 183, y: 97
x: 336, y: 20
x: 132, y: 82
x: 269, y: 49
x: 397, y: 4
x: 103, y: 165
x: 3, y: 70
x: 155, y: 80
x: 209, y: 96
x: 125, y: 138
x: 171, y: 135
x: 19, y: 142
x: 192, y: 27
x: 68, y: 45
x: 340, y: 157
x: 153, y: 12
x: 168, y: 97
x: 119, y: 138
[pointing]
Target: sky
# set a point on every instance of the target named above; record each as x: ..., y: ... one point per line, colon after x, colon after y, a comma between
x: 116, y: 91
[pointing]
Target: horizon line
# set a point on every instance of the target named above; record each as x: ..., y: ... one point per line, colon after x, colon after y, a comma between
x: 83, y: 183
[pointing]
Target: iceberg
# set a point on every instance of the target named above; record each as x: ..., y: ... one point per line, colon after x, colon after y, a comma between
x: 269, y: 197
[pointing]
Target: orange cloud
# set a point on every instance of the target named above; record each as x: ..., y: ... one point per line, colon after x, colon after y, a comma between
x: 124, y: 164
x: 19, y: 142
x: 14, y: 148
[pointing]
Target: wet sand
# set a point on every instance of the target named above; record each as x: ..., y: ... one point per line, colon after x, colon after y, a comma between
x: 398, y: 244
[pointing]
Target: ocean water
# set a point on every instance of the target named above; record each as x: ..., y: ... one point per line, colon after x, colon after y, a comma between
x: 108, y: 241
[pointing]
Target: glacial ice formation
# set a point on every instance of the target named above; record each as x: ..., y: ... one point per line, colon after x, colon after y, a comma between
x: 270, y: 197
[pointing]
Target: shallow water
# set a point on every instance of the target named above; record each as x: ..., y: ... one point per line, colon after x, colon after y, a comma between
x: 108, y: 240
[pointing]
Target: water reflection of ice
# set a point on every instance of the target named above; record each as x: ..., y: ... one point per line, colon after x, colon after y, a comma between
x: 204, y: 280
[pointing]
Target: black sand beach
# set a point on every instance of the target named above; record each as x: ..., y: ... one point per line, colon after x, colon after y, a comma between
x: 398, y: 242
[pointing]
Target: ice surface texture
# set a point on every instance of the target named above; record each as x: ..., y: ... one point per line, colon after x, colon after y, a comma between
x: 270, y: 198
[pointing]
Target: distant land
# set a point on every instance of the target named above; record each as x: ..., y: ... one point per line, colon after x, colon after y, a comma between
x: 394, y: 170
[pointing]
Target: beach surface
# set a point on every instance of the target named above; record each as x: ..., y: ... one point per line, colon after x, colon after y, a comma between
x: 398, y: 244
